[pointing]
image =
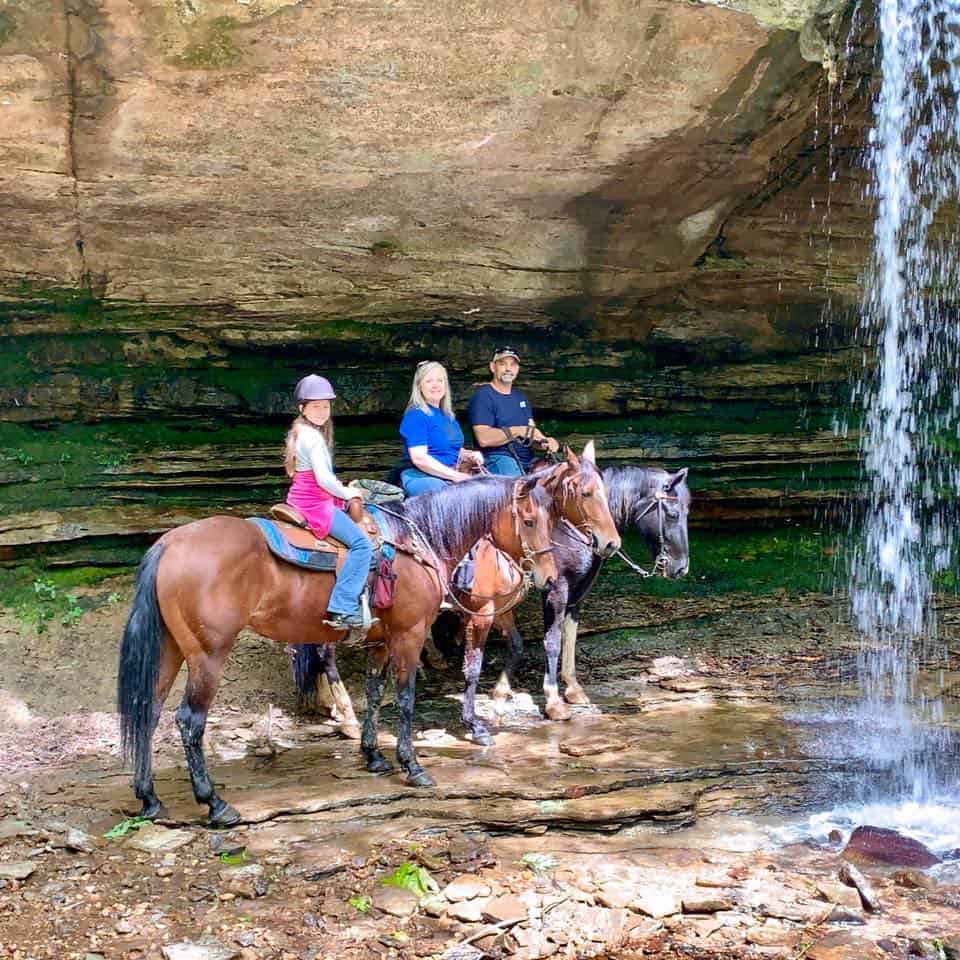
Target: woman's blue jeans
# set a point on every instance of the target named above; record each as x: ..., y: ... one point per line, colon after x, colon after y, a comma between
x: 353, y: 574
x: 415, y: 482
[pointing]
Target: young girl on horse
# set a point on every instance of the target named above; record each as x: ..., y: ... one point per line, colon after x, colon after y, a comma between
x: 320, y: 496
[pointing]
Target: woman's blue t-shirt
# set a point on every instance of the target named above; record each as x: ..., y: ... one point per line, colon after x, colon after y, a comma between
x: 440, y: 434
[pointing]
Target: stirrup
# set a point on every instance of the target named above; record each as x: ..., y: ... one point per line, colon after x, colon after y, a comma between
x: 361, y: 621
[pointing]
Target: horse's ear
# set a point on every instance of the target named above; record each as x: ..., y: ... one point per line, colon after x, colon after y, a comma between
x: 590, y: 453
x: 573, y: 459
x: 679, y: 477
x: 525, y: 486
x: 549, y: 479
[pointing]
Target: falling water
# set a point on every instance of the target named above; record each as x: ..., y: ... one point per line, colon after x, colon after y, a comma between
x: 910, y: 386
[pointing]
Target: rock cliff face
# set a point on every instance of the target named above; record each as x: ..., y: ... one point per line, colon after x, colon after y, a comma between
x: 658, y: 203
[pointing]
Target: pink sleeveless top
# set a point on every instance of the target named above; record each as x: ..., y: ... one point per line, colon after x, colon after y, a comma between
x: 313, y: 501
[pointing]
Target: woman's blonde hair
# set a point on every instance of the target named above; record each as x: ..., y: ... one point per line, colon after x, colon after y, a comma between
x: 290, y: 446
x: 424, y: 369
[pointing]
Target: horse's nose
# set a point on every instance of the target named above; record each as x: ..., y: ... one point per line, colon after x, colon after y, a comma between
x: 610, y: 549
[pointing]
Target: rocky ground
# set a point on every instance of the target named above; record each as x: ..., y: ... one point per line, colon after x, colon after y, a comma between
x: 647, y: 826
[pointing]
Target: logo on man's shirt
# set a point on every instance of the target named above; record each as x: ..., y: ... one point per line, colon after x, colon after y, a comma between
x: 523, y: 403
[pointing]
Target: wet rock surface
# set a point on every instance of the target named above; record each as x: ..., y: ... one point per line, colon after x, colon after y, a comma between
x: 531, y: 848
x: 880, y: 845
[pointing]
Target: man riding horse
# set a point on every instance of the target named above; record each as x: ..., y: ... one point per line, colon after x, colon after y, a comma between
x: 502, y: 419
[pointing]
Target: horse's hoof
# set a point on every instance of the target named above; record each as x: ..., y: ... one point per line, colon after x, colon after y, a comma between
x: 153, y: 811
x: 480, y: 736
x: 421, y: 779
x: 577, y: 696
x: 558, y: 710
x: 350, y: 731
x: 224, y: 815
x: 379, y: 765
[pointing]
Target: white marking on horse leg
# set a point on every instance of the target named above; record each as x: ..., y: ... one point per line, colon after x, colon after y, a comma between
x: 554, y: 708
x: 503, y: 690
x: 344, y: 704
x: 325, y: 698
x: 568, y: 662
x: 568, y: 669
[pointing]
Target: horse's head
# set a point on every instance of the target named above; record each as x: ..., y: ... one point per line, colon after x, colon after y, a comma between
x: 661, y: 517
x: 533, y: 529
x: 581, y: 499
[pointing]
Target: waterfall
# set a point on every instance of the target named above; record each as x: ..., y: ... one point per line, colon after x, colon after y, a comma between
x: 909, y: 387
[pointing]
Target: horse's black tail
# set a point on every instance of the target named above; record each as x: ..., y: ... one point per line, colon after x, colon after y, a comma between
x: 140, y: 667
x: 306, y: 662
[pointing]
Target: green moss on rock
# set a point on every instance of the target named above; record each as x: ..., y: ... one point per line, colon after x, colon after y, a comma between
x: 8, y: 26
x: 214, y: 49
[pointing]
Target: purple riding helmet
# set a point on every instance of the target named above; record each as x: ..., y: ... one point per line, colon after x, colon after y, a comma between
x: 313, y: 387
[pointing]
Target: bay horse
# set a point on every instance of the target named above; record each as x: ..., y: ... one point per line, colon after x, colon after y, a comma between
x: 656, y: 504
x: 582, y: 507
x: 201, y: 583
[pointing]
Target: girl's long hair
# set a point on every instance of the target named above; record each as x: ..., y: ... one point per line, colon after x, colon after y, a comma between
x: 416, y: 396
x: 290, y: 447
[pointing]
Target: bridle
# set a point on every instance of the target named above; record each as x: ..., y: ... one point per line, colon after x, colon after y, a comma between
x: 659, y: 500
x: 583, y: 529
x: 528, y: 562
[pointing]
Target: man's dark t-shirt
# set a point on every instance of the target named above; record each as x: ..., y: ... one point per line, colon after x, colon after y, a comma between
x: 490, y: 408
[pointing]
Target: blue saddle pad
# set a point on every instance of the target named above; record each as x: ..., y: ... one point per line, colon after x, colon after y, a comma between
x: 322, y: 560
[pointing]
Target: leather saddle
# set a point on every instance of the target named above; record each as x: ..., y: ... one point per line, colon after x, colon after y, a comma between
x: 290, y: 538
x: 302, y: 536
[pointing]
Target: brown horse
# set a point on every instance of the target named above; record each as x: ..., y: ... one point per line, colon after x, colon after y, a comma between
x: 580, y: 500
x: 200, y: 584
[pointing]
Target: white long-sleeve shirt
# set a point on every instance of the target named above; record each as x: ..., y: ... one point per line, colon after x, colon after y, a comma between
x: 312, y: 454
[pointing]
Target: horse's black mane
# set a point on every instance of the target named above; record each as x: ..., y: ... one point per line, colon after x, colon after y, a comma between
x: 627, y: 487
x: 455, y: 518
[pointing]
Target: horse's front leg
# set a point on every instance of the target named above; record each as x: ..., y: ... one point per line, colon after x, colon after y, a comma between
x: 377, y: 660
x: 477, y: 630
x: 554, y: 608
x: 405, y: 654
x: 573, y: 692
x: 508, y: 676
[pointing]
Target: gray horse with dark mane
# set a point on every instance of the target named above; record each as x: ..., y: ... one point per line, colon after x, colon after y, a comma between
x: 653, y: 502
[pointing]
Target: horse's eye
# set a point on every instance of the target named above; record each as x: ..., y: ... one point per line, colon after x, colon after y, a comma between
x: 529, y: 523
x: 587, y: 493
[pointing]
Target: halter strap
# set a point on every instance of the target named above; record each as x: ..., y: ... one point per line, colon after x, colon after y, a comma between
x: 657, y: 499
